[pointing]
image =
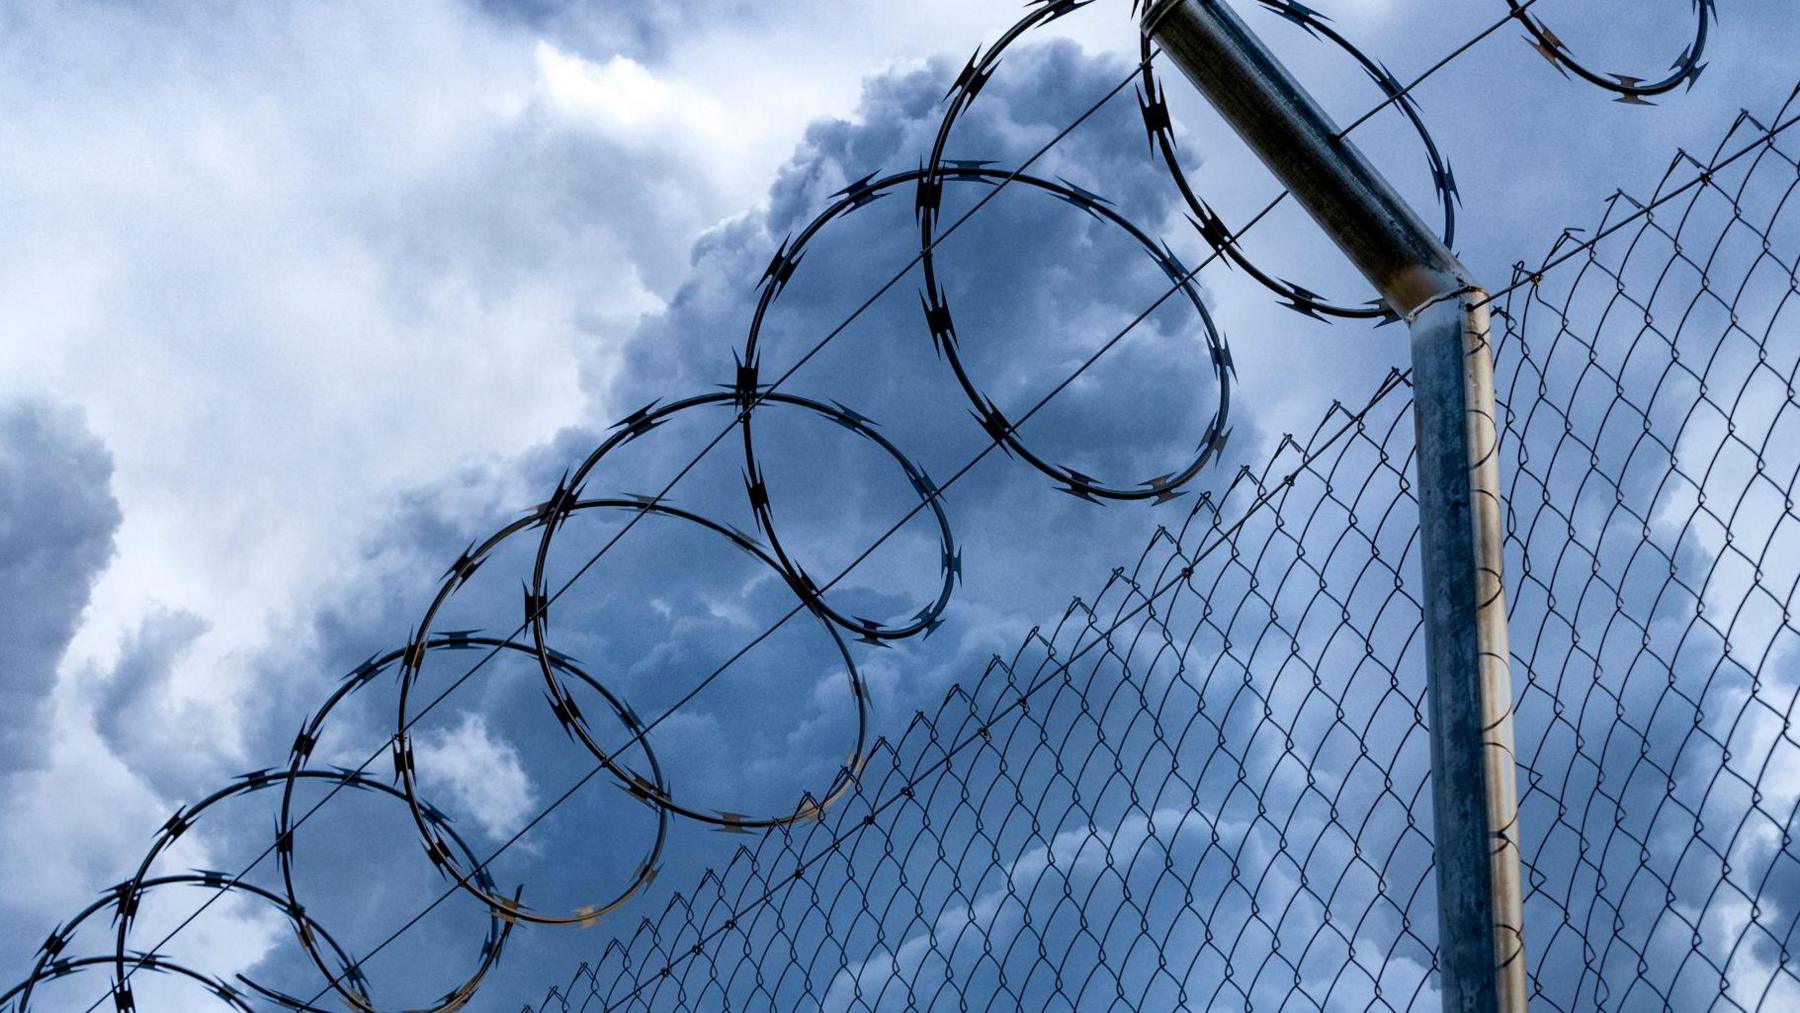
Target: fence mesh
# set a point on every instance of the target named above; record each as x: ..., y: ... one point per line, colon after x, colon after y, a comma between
x: 1205, y: 785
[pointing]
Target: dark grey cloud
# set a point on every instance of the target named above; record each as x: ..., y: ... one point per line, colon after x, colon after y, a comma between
x: 136, y: 708
x: 57, y: 519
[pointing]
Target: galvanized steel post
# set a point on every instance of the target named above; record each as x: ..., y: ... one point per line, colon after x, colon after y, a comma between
x: 1474, y: 792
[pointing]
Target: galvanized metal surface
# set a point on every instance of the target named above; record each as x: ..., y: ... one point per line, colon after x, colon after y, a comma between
x: 1474, y: 793
x: 1469, y: 682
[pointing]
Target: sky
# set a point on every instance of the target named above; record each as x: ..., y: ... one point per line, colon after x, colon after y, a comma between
x: 303, y: 299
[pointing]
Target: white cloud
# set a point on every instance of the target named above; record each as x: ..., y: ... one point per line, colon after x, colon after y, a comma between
x: 622, y: 96
x: 289, y: 278
x: 480, y: 775
x: 74, y: 838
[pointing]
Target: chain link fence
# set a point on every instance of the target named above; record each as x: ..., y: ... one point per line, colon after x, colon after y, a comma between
x: 1205, y: 785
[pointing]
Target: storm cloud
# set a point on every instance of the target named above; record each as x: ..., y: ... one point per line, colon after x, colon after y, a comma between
x: 57, y: 518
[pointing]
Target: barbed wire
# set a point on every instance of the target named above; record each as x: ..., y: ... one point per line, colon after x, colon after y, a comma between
x: 1630, y: 88
x: 745, y: 395
x: 1159, y: 125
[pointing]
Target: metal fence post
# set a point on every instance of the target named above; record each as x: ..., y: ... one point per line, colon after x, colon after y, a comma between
x: 1474, y: 793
